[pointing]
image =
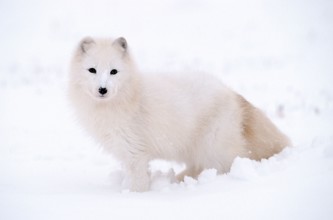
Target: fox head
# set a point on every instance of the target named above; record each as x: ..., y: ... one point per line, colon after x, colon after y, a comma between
x: 101, y: 68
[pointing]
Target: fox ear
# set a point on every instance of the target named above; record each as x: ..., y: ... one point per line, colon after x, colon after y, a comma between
x: 85, y: 44
x: 121, y: 42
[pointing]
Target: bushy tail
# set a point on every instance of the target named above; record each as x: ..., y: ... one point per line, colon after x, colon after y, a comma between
x: 263, y: 138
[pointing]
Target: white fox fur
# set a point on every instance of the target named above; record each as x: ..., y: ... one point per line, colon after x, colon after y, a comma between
x: 193, y: 119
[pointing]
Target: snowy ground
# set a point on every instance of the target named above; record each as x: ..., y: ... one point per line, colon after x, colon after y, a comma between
x: 278, y: 54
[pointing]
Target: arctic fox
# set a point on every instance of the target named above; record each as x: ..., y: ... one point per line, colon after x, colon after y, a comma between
x: 192, y: 118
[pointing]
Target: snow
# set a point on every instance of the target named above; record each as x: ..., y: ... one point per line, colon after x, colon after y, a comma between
x: 278, y: 54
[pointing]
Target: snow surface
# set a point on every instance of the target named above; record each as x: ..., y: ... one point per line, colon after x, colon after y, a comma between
x: 278, y: 54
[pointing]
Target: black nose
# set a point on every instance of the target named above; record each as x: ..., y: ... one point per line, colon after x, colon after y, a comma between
x: 102, y: 91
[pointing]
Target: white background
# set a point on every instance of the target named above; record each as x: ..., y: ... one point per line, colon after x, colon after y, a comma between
x: 278, y: 54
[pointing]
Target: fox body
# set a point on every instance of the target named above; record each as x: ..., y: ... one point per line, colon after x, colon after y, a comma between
x: 188, y: 118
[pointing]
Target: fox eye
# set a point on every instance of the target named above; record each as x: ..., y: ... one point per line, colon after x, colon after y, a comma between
x: 92, y: 70
x: 114, y: 72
